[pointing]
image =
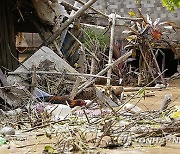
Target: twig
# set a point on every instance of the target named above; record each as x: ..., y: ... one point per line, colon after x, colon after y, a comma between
x: 86, y: 116
x: 28, y: 145
x: 34, y: 79
x: 42, y: 126
x: 150, y: 70
x: 157, y: 65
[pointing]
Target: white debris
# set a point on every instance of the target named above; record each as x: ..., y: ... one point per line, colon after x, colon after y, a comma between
x: 7, y: 131
x: 58, y: 111
x: 131, y: 108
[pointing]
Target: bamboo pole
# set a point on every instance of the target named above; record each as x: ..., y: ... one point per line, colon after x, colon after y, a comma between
x: 56, y: 73
x: 113, y: 20
x: 67, y: 23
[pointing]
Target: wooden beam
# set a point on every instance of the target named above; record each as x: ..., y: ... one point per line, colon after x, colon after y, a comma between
x: 67, y: 23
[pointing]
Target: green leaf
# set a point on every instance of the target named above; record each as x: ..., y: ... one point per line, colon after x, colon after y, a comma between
x: 175, y: 115
x: 49, y: 149
x: 2, y: 141
x: 171, y: 4
x: 141, y: 91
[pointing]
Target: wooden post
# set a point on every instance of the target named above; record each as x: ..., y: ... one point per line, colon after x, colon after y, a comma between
x: 111, y: 47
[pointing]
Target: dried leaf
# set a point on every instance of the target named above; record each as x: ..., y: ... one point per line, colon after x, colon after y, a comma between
x: 156, y: 22
x: 149, y: 21
x: 156, y: 34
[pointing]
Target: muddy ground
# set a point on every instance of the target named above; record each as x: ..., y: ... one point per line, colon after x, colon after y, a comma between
x: 34, y: 142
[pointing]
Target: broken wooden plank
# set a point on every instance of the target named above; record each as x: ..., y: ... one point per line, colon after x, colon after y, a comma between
x: 67, y: 23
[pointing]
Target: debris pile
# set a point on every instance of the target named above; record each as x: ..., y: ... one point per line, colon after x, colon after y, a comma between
x: 55, y: 92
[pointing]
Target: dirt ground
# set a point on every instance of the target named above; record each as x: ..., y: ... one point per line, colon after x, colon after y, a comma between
x: 154, y: 102
x: 35, y: 144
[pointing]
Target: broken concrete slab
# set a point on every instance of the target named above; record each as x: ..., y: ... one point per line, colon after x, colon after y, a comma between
x: 43, y: 54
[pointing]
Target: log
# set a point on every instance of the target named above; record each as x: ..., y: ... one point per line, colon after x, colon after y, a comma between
x: 67, y: 23
x: 98, y: 12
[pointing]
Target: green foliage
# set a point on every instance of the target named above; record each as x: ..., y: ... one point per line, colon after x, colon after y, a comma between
x: 171, y: 4
x: 49, y: 150
x: 96, y: 36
